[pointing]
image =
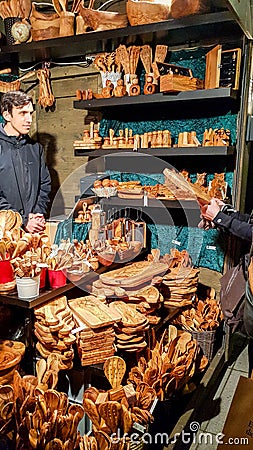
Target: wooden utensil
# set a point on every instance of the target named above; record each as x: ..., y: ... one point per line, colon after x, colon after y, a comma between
x: 175, y: 179
x: 33, y: 438
x: 5, y: 71
x: 6, y: 393
x: 54, y: 444
x: 2, y: 251
x: 115, y: 369
x: 41, y: 367
x: 26, y: 6
x: 63, y: 403
x: 7, y: 411
x: 52, y: 400
x: 75, y: 408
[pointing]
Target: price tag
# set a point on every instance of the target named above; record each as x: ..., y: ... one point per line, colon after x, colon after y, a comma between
x: 145, y: 199
x: 211, y: 247
x: 175, y: 242
x: 153, y: 405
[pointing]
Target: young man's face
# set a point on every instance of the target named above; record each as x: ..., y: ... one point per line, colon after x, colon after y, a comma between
x: 19, y: 121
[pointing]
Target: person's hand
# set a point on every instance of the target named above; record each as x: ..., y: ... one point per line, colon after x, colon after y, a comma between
x: 206, y: 224
x: 36, y: 223
x: 210, y: 211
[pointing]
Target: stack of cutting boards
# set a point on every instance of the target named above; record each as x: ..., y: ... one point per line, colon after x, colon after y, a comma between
x: 95, y: 345
x: 150, y: 300
x: 133, y: 275
x: 95, y: 341
x: 128, y: 279
x: 179, y: 286
x: 130, y: 331
x: 52, y: 327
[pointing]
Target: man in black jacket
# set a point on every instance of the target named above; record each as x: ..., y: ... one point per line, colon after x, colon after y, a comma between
x: 227, y: 218
x: 24, y: 178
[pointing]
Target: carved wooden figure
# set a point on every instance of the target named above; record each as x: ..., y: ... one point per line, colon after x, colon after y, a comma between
x: 120, y: 89
x: 134, y: 88
x: 107, y: 91
x: 149, y: 87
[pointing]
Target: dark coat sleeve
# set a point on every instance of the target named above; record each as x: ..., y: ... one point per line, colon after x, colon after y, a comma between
x: 236, y: 223
x: 4, y: 204
x: 45, y: 187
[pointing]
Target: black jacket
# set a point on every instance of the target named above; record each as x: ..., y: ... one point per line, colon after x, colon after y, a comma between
x: 24, y: 178
x: 236, y: 223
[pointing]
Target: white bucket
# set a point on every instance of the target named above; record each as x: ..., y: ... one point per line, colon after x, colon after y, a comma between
x: 28, y: 287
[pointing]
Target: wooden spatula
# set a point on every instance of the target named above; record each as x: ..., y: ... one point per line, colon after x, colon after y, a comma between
x: 41, y: 367
x: 115, y: 369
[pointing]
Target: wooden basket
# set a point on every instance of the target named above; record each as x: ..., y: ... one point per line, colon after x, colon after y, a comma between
x: 7, y: 86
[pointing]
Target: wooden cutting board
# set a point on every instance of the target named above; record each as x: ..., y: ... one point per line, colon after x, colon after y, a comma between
x: 92, y: 312
x: 133, y: 274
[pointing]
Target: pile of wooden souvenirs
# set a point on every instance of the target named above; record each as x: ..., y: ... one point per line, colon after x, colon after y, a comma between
x: 123, y: 305
x: 119, y: 73
x: 181, y: 189
x: 78, y: 18
x: 33, y: 414
x: 91, y: 139
x: 53, y: 327
x: 24, y: 254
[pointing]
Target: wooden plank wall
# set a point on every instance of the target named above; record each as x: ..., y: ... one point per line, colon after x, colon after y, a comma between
x: 56, y: 129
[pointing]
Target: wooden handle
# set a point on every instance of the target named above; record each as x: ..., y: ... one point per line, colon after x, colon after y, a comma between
x: 4, y: 71
x: 26, y: 75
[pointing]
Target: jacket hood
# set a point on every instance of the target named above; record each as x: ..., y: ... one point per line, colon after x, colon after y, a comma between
x: 24, y: 139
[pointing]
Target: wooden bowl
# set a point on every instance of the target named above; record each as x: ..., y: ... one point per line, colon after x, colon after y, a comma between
x: 106, y: 258
x: 9, y: 360
x: 44, y: 26
x: 12, y: 346
x: 183, y: 8
x: 142, y: 12
x: 94, y: 20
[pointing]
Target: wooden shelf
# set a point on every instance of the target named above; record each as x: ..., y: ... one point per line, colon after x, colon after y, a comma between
x: 161, y: 152
x: 44, y: 296
x: 152, y: 203
x: 196, y: 28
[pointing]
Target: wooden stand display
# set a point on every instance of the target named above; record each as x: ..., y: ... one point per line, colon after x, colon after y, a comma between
x: 178, y: 83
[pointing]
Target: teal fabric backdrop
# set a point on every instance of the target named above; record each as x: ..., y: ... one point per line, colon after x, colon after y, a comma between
x: 207, y: 249
x: 194, y: 60
x: 70, y: 230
